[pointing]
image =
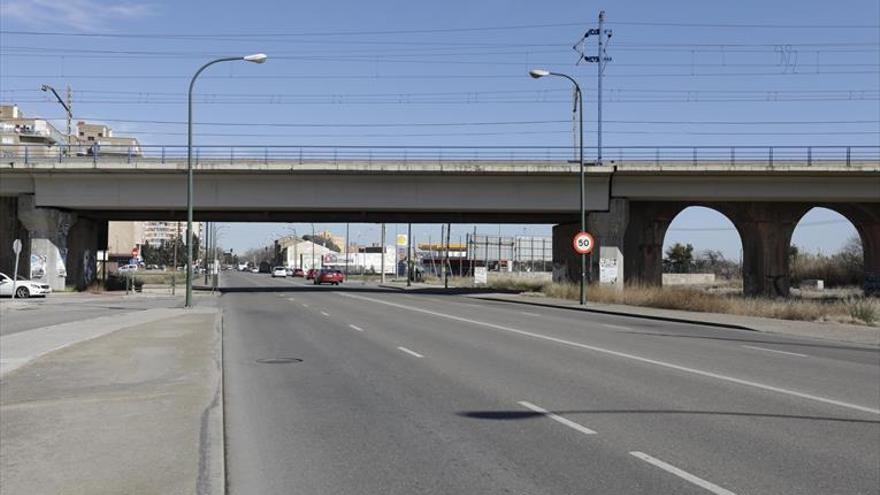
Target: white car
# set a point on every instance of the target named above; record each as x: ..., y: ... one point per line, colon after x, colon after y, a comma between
x: 23, y: 288
x: 255, y: 270
x: 279, y: 271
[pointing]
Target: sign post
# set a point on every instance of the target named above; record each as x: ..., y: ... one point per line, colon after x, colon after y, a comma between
x: 16, y: 247
x: 583, y: 244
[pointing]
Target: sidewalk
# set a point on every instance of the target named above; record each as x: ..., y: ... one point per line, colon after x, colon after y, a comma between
x: 133, y: 409
x: 856, y: 334
x: 840, y: 332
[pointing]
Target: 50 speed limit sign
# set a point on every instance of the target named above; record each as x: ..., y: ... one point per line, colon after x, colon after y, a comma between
x: 583, y: 243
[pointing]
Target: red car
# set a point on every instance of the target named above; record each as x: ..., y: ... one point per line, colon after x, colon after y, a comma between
x: 298, y: 272
x: 334, y: 277
x: 311, y: 274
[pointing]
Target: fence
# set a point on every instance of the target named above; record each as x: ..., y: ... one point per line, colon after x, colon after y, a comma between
x: 175, y: 154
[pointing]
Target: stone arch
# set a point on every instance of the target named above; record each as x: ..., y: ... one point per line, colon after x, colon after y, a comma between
x: 719, y: 224
x: 865, y: 217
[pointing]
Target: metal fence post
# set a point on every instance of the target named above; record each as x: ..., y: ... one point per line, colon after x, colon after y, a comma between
x: 732, y: 156
x: 231, y: 154
x: 300, y: 156
x: 771, y: 156
x: 59, y: 154
x: 163, y: 155
x: 26, y: 154
x: 129, y: 154
x: 848, y: 152
x: 695, y: 156
x: 657, y: 157
x: 809, y: 155
x: 265, y: 156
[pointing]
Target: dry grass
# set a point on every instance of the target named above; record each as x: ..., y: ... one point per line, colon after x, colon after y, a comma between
x: 850, y: 310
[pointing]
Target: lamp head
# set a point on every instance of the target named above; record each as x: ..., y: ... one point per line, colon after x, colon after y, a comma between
x: 257, y: 58
x: 537, y: 73
x: 44, y: 88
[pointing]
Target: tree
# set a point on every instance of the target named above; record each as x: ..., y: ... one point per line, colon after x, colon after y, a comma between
x: 679, y: 258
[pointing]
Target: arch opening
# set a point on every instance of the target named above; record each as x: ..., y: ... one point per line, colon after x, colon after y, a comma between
x: 702, y: 247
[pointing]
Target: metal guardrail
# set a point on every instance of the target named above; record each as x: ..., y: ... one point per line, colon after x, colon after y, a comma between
x: 310, y: 153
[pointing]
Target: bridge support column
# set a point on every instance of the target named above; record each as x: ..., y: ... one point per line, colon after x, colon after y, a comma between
x: 643, y: 241
x: 566, y: 264
x: 608, y: 229
x: 85, y: 239
x: 10, y: 230
x: 765, y: 229
x: 47, y: 229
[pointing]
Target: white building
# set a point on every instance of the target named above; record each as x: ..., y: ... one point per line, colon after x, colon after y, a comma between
x: 304, y: 254
x: 363, y: 262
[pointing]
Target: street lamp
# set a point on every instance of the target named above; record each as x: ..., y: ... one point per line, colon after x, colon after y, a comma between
x: 579, y: 104
x: 46, y: 88
x: 257, y: 58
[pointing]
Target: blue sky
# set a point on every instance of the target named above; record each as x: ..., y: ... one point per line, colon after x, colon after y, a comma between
x: 691, y: 73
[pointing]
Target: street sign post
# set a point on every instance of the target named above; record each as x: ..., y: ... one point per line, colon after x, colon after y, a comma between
x: 16, y: 247
x: 583, y: 243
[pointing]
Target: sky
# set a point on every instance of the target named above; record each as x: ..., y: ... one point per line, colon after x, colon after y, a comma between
x: 395, y: 73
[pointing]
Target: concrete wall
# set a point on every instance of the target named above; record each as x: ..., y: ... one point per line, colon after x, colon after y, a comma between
x: 688, y: 278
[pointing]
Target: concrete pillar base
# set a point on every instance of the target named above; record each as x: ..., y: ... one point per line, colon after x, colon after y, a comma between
x: 48, y: 229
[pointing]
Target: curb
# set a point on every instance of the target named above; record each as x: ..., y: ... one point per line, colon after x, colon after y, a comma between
x: 672, y: 319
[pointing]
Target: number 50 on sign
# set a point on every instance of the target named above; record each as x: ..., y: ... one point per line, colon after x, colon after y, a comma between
x: 583, y: 243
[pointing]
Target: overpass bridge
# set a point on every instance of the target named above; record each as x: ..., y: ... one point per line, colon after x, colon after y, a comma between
x: 63, y: 202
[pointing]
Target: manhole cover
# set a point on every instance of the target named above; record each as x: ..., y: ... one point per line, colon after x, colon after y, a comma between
x: 279, y: 360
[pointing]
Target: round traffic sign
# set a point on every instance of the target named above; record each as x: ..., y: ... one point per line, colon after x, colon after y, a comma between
x: 583, y: 243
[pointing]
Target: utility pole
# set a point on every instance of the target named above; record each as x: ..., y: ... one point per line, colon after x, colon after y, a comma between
x: 409, y: 263
x: 174, y: 263
x: 446, y: 266
x: 382, y: 258
x: 600, y: 59
x: 346, y: 250
x: 69, y: 117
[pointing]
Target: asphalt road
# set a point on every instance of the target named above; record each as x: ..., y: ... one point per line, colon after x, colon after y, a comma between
x: 422, y: 393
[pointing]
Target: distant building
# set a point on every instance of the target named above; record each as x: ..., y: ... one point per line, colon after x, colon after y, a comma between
x: 100, y: 137
x: 122, y: 237
x: 32, y: 136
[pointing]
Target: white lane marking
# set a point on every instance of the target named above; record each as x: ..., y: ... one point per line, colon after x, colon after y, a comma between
x: 618, y: 327
x: 291, y: 299
x: 412, y: 353
x: 774, y: 350
x: 682, y: 474
x: 305, y: 305
x: 555, y: 417
x: 529, y: 314
x: 359, y: 329
x: 325, y: 313
x: 471, y: 305
x: 633, y: 357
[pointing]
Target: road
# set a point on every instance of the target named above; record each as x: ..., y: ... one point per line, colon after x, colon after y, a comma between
x: 358, y: 390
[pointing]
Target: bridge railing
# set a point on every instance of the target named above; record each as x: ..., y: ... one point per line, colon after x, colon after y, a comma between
x: 618, y: 155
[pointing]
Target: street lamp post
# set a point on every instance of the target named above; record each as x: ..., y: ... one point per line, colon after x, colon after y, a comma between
x: 257, y: 58
x: 46, y: 88
x: 579, y: 102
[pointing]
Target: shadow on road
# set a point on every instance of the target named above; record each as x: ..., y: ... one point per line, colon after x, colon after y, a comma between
x: 518, y: 415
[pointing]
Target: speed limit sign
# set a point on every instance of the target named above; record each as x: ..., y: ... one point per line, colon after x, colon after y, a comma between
x: 583, y: 243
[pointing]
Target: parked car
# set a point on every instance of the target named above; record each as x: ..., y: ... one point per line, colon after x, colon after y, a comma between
x: 279, y: 271
x: 298, y: 272
x: 23, y: 288
x: 289, y: 271
x: 310, y: 275
x: 334, y: 277
x: 255, y: 270
x: 128, y: 268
